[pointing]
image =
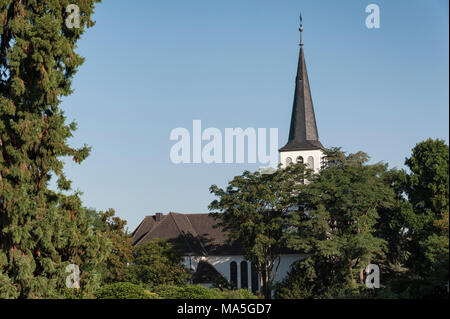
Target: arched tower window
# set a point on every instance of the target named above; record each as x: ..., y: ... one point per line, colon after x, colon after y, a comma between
x: 311, y: 162
x: 244, y: 275
x: 300, y: 160
x: 233, y: 275
x: 288, y: 161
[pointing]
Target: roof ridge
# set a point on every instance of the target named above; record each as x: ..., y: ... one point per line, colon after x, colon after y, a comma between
x: 175, y: 221
x: 197, y: 235
x: 139, y: 226
x: 179, y: 229
x: 141, y: 229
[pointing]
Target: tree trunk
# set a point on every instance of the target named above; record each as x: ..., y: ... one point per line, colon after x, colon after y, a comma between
x: 361, y: 275
x: 265, y: 290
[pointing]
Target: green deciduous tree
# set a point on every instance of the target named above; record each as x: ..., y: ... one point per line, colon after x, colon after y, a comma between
x: 156, y: 263
x: 393, y: 226
x: 427, y: 187
x: 121, y: 254
x: 337, y: 226
x: 41, y: 231
x: 253, y: 209
x: 428, y: 182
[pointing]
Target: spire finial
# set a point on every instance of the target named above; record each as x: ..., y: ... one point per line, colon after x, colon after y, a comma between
x: 301, y: 30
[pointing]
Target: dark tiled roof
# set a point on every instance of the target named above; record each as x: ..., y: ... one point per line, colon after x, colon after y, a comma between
x: 194, y: 234
x: 143, y: 228
x: 303, y: 133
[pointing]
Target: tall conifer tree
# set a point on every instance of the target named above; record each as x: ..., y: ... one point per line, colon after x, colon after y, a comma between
x: 41, y: 231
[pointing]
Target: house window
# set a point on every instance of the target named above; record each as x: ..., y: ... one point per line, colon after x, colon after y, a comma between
x: 311, y: 162
x: 244, y: 275
x: 288, y: 161
x: 255, y: 284
x: 233, y: 275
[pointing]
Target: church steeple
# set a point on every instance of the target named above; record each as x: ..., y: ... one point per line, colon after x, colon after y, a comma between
x: 303, y: 134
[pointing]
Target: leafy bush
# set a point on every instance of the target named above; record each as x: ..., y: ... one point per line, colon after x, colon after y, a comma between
x: 151, y: 295
x: 74, y: 293
x: 200, y: 292
x: 157, y: 263
x: 237, y: 294
x: 124, y: 290
x: 188, y: 292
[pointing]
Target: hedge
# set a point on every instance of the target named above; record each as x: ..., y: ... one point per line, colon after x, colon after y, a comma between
x: 200, y: 292
x: 124, y: 290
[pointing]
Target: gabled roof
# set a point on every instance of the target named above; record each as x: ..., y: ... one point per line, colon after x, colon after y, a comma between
x: 144, y: 227
x: 194, y: 234
x: 303, y: 133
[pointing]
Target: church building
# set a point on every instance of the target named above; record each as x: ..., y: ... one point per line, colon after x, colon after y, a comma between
x: 203, y: 245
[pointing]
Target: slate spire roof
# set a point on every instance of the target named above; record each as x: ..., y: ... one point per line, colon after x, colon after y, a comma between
x: 303, y: 134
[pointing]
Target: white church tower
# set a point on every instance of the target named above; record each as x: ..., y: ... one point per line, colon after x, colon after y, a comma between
x: 303, y: 145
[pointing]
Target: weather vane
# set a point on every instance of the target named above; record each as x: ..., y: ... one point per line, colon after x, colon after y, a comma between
x: 301, y: 30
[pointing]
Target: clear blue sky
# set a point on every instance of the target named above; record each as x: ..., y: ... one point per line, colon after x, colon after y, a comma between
x: 152, y: 66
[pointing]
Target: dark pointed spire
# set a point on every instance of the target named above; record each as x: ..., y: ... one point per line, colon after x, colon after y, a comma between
x: 303, y: 134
